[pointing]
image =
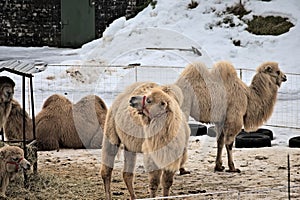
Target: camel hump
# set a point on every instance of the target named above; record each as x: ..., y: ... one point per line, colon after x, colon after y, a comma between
x: 225, y: 69
x: 92, y: 98
x: 56, y: 99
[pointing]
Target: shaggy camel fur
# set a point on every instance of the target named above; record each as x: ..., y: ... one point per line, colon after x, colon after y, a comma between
x: 166, y: 137
x: 13, y: 127
x: 123, y: 126
x: 61, y: 124
x: 11, y: 161
x: 6, y: 95
x: 219, y: 96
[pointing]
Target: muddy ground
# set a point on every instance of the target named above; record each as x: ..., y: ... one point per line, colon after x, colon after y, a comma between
x: 74, y: 174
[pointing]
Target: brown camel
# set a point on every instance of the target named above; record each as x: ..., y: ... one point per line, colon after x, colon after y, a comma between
x: 7, y: 86
x: 219, y: 96
x: 13, y: 127
x: 11, y: 161
x: 60, y: 124
x: 124, y: 126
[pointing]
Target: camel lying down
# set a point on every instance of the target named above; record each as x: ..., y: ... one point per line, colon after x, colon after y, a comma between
x: 162, y: 134
x: 11, y: 161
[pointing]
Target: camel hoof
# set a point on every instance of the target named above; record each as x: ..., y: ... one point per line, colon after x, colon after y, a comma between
x: 234, y: 171
x: 219, y: 169
x: 182, y: 171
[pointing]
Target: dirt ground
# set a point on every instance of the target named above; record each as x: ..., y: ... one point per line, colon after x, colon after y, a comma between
x: 74, y: 174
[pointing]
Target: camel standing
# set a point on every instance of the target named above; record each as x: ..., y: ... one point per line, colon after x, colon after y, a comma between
x: 220, y: 97
x: 123, y: 126
x: 166, y: 137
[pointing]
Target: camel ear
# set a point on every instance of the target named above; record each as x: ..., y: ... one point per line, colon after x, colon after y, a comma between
x: 164, y: 104
x: 269, y: 69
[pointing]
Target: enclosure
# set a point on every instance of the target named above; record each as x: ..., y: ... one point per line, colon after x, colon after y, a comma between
x: 74, y: 174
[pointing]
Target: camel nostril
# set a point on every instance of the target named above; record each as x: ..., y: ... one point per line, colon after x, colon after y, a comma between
x: 284, y: 78
x: 132, y: 101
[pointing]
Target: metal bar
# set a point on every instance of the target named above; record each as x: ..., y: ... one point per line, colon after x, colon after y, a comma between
x: 33, y: 124
x: 289, y: 177
x: 24, y: 128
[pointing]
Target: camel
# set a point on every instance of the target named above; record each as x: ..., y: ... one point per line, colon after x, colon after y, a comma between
x: 13, y: 127
x: 166, y: 137
x: 11, y: 161
x: 218, y: 96
x: 6, y: 95
x: 123, y: 126
x: 60, y: 124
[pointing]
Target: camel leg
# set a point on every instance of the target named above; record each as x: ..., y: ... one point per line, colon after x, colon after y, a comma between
x: 128, y: 172
x: 4, y: 183
x: 182, y: 170
x: 154, y: 181
x: 230, y: 158
x: 167, y: 182
x: 109, y: 152
x: 220, y: 142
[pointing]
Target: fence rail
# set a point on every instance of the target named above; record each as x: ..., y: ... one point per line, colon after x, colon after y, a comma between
x: 75, y: 81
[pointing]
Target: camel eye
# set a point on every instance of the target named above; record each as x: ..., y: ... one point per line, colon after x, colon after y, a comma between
x: 148, y: 101
x: 162, y: 103
x: 278, y: 72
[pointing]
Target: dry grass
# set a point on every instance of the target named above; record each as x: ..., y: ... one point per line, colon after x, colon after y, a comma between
x: 74, y: 174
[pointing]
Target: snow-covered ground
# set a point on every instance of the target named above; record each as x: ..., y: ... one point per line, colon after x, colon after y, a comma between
x: 172, y: 25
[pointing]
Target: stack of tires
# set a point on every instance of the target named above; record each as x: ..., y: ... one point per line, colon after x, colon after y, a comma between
x: 260, y: 138
x: 197, y: 129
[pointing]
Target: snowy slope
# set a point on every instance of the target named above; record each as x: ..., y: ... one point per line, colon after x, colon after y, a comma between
x: 172, y: 24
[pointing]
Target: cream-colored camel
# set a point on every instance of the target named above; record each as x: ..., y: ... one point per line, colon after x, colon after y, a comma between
x: 166, y: 137
x: 13, y: 127
x: 123, y: 126
x: 11, y: 161
x: 6, y: 95
x: 219, y: 96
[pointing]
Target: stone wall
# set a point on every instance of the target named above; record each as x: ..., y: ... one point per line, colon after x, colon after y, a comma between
x: 30, y: 22
x: 38, y: 22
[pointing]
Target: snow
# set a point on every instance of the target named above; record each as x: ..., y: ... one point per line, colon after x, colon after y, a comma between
x: 172, y: 25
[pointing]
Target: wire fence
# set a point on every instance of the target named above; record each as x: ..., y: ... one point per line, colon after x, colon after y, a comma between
x: 76, y: 81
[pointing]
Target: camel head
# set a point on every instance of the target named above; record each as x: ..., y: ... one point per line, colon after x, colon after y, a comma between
x: 272, y: 69
x: 154, y: 104
x: 6, y: 89
x: 13, y: 158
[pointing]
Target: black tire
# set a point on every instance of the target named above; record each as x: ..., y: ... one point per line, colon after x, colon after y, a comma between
x: 266, y: 132
x: 294, y: 142
x: 252, y: 140
x: 261, y: 131
x: 198, y: 129
x: 211, y: 132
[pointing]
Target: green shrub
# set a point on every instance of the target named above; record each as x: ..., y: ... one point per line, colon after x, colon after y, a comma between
x: 270, y: 25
